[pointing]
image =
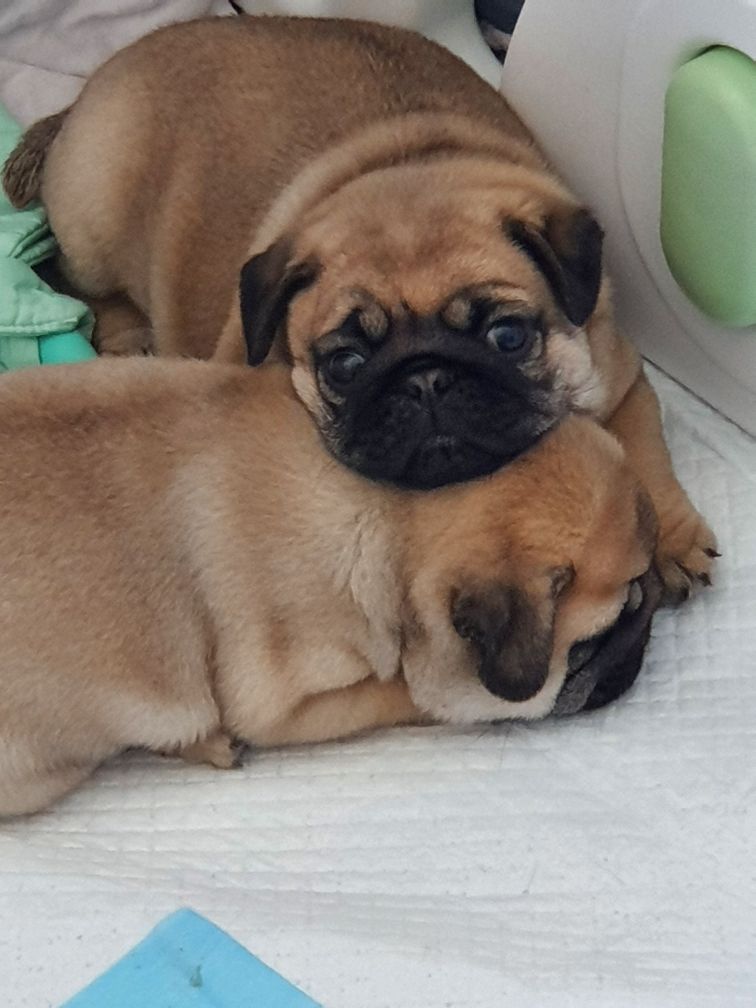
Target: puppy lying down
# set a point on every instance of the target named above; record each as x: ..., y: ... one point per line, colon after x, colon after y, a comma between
x: 183, y: 564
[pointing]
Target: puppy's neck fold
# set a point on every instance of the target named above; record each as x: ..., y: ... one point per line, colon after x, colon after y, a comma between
x: 385, y: 144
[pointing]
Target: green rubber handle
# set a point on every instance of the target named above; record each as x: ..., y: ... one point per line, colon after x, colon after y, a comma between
x: 708, y: 211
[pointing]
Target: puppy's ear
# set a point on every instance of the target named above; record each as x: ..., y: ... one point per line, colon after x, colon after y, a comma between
x: 567, y: 250
x: 512, y: 634
x: 267, y: 285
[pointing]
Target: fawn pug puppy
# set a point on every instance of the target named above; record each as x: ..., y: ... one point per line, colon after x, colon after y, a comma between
x: 182, y: 563
x: 353, y: 199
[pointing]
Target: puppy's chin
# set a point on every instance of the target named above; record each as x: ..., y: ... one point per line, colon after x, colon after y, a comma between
x: 444, y: 685
x: 474, y: 430
x: 435, y: 461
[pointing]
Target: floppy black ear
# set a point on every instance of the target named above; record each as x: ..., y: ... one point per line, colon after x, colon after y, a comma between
x: 268, y: 283
x: 567, y: 250
x: 512, y: 637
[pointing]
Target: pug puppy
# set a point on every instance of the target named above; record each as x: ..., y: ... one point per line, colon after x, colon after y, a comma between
x: 182, y: 564
x: 353, y: 200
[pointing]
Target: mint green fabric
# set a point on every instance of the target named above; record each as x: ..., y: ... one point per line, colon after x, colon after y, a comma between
x: 37, y: 325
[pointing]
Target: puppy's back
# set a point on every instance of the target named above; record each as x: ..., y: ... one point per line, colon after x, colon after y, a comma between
x: 99, y: 607
x: 171, y: 125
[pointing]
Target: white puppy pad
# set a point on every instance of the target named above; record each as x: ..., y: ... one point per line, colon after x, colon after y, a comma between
x: 599, y: 861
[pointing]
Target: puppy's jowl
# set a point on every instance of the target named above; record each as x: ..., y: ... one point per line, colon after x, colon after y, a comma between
x: 208, y: 573
x: 353, y: 200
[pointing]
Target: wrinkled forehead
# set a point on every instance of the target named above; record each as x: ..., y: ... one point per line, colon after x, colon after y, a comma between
x: 419, y: 244
x: 389, y: 301
x: 572, y: 500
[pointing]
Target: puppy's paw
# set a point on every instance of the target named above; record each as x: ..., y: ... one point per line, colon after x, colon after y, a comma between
x: 136, y: 342
x: 218, y: 749
x: 685, y: 554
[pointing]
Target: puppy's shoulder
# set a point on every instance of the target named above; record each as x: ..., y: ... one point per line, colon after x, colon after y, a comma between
x: 146, y: 396
x: 35, y: 390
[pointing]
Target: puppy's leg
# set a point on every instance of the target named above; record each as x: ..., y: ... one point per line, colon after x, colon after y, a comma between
x: 218, y: 749
x: 121, y: 329
x: 22, y: 795
x: 364, y: 705
x: 686, y: 545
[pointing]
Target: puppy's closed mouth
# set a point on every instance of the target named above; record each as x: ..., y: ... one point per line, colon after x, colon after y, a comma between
x: 606, y: 666
x: 436, y: 457
x: 429, y: 456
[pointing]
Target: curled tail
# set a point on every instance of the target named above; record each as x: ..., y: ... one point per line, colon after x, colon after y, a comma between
x: 22, y: 174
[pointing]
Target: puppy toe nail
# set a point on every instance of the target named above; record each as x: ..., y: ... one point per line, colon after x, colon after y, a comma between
x: 712, y: 553
x: 705, y: 579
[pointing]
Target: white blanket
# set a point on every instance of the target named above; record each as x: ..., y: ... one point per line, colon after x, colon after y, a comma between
x: 605, y: 861
x: 49, y: 47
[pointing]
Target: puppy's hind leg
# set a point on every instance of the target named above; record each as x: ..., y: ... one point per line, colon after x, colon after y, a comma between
x: 23, y: 795
x: 121, y: 329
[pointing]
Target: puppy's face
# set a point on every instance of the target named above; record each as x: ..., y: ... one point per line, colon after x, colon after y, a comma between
x: 432, y: 315
x: 531, y: 591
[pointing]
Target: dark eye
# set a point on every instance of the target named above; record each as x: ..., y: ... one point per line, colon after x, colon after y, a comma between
x: 343, y: 365
x: 509, y: 335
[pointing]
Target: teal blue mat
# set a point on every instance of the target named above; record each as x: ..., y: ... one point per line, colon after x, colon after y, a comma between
x: 187, y: 962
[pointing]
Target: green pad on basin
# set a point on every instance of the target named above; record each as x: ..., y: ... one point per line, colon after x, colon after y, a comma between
x: 708, y: 212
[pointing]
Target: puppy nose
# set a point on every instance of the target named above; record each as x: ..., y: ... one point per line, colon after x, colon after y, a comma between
x: 428, y: 384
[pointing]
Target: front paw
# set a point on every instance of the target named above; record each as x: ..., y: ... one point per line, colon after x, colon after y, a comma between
x: 218, y: 749
x: 685, y: 553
